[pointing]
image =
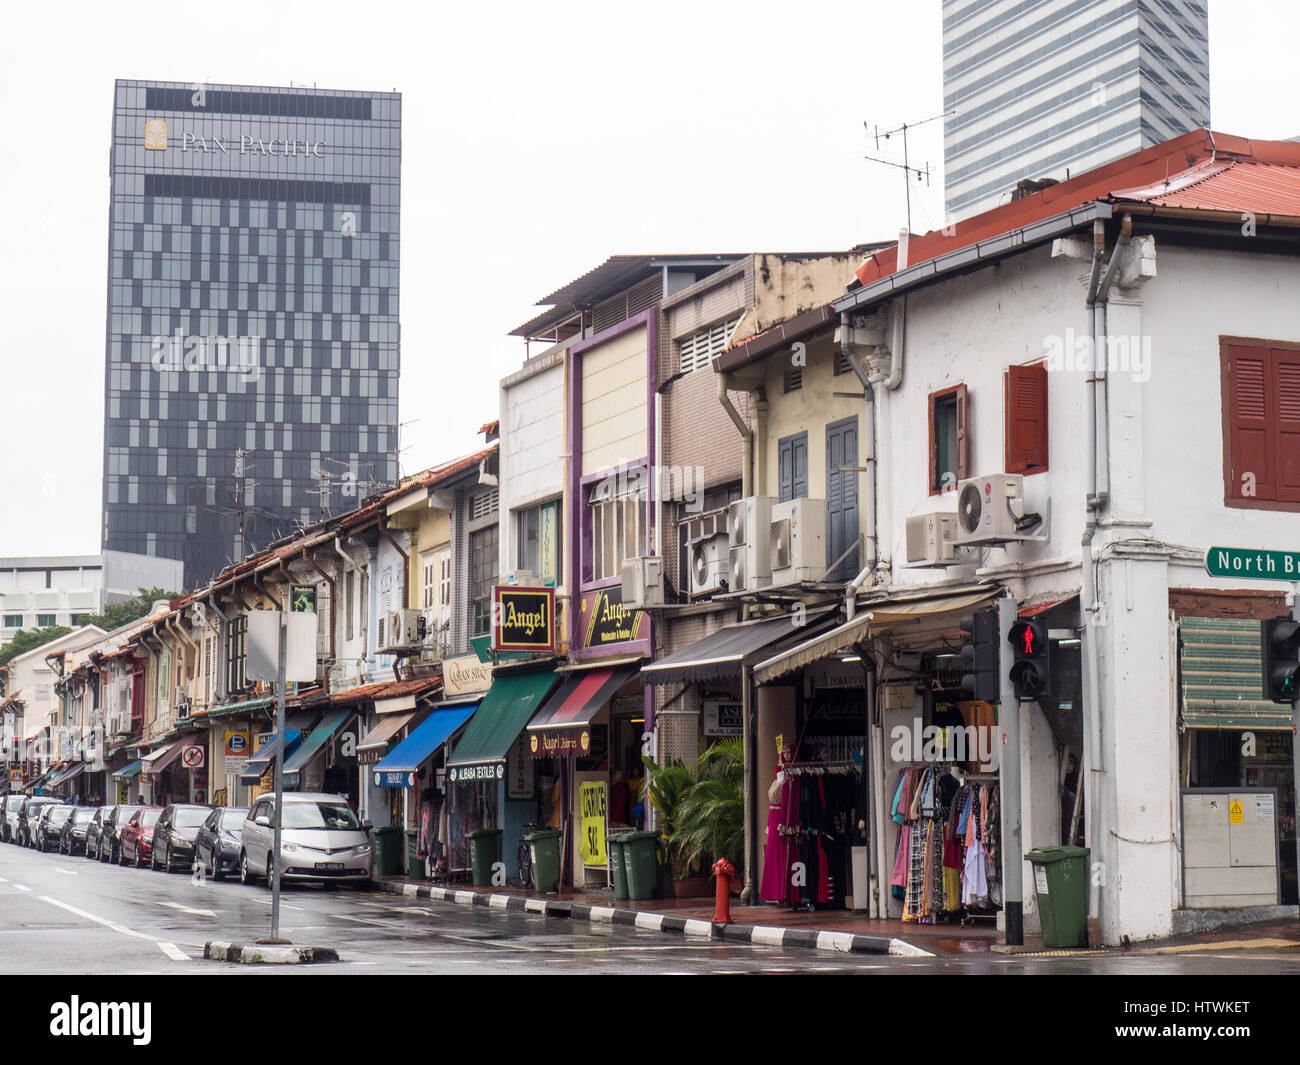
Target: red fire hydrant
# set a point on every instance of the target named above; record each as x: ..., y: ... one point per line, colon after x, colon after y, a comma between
x: 723, y: 871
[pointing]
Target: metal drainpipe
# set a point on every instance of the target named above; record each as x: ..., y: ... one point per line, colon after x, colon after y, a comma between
x: 869, y: 435
x: 746, y: 435
x: 222, y: 664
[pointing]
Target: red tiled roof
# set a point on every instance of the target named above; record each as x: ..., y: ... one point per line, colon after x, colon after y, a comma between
x: 388, y: 689
x: 1200, y: 171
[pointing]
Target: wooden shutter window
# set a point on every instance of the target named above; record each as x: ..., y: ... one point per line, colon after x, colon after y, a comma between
x: 1026, y: 418
x: 1252, y: 459
x: 1286, y: 369
x: 963, y: 434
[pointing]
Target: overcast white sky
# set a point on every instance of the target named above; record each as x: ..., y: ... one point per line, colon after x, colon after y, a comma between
x: 538, y: 139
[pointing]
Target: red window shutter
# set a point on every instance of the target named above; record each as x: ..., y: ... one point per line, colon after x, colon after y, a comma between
x: 1250, y: 434
x: 1026, y: 418
x: 1286, y: 436
x: 963, y: 434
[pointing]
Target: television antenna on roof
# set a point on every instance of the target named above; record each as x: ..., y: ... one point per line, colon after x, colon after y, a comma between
x: 922, y: 173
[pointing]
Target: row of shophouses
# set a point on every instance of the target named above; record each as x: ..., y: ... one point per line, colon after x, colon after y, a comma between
x: 753, y: 495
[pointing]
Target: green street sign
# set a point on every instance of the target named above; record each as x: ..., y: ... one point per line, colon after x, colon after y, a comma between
x: 1254, y: 563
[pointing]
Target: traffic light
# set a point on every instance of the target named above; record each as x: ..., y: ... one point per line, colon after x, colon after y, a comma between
x: 1031, y: 664
x: 1281, y: 647
x: 981, y: 656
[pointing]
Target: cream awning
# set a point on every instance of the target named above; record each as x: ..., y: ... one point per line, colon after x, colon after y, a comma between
x: 887, y: 614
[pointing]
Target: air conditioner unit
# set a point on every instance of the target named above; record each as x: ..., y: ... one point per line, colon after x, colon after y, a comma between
x: 643, y: 581
x: 707, y: 559
x: 991, y: 510
x: 706, y: 527
x: 797, y: 541
x: 930, y: 539
x: 182, y: 699
x: 747, y: 523
x: 402, y: 629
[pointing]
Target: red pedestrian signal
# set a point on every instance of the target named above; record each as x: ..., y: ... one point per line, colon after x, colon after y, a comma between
x: 1030, y: 671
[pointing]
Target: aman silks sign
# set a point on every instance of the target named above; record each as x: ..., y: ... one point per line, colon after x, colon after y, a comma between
x: 523, y: 619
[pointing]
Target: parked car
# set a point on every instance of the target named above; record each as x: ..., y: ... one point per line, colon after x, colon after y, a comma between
x: 95, y: 830
x: 135, y: 840
x: 29, y: 813
x: 216, y: 845
x: 110, y: 844
x: 72, y: 840
x: 321, y: 839
x: 49, y: 826
x: 9, y: 826
x: 173, y: 836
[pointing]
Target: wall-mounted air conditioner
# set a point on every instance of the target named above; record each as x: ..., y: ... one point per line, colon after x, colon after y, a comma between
x: 747, y: 523
x: 402, y: 629
x: 991, y: 510
x: 643, y: 581
x: 797, y: 541
x: 930, y: 539
x: 707, y: 559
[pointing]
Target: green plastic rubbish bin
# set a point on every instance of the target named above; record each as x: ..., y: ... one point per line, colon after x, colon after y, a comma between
x: 544, y: 848
x: 1061, y: 884
x: 616, y: 848
x: 483, y: 851
x: 388, y: 855
x: 640, y: 856
x: 414, y: 863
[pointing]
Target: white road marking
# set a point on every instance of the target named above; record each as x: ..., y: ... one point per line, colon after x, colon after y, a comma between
x: 65, y: 872
x: 3, y: 880
x: 185, y: 909
x: 20, y: 887
x: 163, y: 945
x: 361, y: 920
x: 283, y: 905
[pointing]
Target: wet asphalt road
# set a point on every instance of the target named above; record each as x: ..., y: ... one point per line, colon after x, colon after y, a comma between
x: 70, y: 915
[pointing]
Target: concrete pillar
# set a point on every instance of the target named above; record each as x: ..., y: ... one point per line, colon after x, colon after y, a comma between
x: 1040, y: 806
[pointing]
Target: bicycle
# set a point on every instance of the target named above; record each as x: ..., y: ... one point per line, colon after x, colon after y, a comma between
x: 524, y: 855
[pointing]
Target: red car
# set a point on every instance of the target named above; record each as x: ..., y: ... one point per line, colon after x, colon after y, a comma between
x: 137, y: 836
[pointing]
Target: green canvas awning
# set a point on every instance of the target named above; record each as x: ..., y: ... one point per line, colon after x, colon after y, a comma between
x: 1222, y: 677
x: 505, y: 711
x: 316, y: 739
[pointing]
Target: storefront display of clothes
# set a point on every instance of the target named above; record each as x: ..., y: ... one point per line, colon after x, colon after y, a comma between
x: 810, y: 814
x: 947, y: 861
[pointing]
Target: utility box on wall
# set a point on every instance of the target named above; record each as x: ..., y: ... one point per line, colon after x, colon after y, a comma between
x: 1229, y: 848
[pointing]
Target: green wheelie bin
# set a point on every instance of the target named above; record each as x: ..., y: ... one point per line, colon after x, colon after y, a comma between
x: 1061, y: 884
x: 483, y: 851
x: 388, y: 855
x: 642, y: 863
x: 616, y: 848
x: 544, y: 848
x: 414, y: 863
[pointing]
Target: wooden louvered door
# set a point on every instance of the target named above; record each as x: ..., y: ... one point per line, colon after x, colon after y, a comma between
x: 1286, y: 437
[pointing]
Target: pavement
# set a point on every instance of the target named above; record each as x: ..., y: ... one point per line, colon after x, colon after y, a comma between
x: 836, y: 930
x: 64, y: 915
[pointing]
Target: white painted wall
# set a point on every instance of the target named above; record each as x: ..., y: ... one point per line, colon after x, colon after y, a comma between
x: 531, y: 454
x: 614, y: 402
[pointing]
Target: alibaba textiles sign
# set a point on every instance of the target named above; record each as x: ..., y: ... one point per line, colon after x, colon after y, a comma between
x: 606, y: 624
x: 523, y: 619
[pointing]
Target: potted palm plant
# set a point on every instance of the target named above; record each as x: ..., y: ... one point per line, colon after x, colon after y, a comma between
x: 710, y: 821
x: 666, y: 788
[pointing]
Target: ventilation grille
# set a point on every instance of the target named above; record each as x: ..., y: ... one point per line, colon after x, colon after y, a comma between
x: 698, y: 351
x: 484, y: 505
x: 621, y: 307
x: 794, y: 379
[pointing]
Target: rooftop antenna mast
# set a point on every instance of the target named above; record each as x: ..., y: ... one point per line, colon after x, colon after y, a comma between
x: 922, y: 173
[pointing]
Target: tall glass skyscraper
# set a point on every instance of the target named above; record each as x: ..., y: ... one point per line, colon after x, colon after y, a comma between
x: 1052, y: 88
x: 252, y: 351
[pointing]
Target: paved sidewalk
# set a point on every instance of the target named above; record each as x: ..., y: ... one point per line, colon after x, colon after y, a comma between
x: 769, y: 925
x: 839, y: 930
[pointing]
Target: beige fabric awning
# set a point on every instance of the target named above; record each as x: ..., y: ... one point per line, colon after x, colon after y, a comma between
x: 875, y: 618
x: 387, y: 728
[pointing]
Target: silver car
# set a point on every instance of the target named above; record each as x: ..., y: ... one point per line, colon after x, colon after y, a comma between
x: 321, y: 839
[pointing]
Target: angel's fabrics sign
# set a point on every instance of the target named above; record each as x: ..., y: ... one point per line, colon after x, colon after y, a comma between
x: 606, y: 626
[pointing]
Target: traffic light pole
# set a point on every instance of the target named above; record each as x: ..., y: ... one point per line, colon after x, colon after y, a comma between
x: 1009, y: 761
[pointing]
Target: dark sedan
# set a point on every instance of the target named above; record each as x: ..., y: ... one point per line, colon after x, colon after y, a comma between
x: 49, y: 829
x: 173, y: 836
x: 95, y: 829
x: 110, y: 845
x: 29, y: 813
x: 135, y: 839
x: 72, y: 840
x: 216, y: 847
